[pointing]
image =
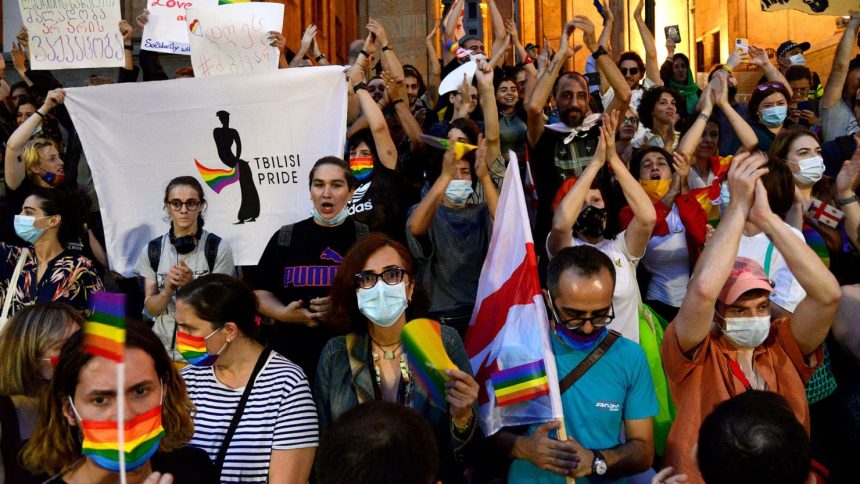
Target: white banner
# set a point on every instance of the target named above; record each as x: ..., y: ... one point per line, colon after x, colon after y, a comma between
x: 167, y: 30
x: 233, y: 39
x: 73, y: 34
x: 255, y: 138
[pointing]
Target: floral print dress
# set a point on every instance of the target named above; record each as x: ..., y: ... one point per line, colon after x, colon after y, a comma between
x: 70, y: 278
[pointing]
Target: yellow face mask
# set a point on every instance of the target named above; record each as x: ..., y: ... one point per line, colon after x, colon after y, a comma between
x: 656, y: 189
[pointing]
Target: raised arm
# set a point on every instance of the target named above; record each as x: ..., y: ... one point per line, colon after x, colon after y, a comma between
x: 568, y: 210
x: 814, y: 314
x: 319, y: 57
x: 15, y: 170
x: 279, y: 41
x: 652, y: 64
x: 19, y: 60
x: 487, y: 97
x: 434, y: 70
x: 482, y: 171
x: 125, y: 30
x: 690, y: 141
x: 385, y: 149
x: 397, y: 97
x: 839, y: 69
x: 644, y: 216
x: 498, y: 58
x: 846, y: 183
x: 304, y: 46
x: 498, y: 26
x: 758, y: 57
x: 715, y: 264
x: 511, y: 29
x: 543, y: 88
x: 740, y: 126
x: 390, y: 62
x: 421, y: 218
x: 607, y: 68
x: 451, y: 21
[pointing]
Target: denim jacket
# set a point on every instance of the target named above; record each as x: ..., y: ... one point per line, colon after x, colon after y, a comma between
x: 335, y: 391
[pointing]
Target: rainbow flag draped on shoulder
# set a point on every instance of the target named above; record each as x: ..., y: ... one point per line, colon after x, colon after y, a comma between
x: 508, y: 341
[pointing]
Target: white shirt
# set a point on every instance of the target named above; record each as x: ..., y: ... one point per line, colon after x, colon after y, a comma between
x: 788, y: 292
x: 668, y: 260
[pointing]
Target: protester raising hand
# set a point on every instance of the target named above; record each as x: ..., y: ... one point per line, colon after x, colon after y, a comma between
x: 142, y: 19
x: 306, y: 42
x: 846, y: 183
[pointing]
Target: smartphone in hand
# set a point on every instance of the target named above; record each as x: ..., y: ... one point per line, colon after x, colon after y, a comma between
x: 743, y: 44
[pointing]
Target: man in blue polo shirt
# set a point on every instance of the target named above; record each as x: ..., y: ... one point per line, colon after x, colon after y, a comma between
x: 608, y: 411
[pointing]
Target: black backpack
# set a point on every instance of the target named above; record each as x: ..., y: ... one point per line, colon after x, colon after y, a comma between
x: 285, y: 233
x: 210, y: 249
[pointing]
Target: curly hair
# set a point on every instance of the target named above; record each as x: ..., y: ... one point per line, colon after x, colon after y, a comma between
x: 649, y: 101
x: 54, y: 446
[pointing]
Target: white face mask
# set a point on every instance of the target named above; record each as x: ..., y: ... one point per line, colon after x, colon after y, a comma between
x: 383, y: 303
x: 797, y: 60
x: 747, y: 332
x: 811, y: 170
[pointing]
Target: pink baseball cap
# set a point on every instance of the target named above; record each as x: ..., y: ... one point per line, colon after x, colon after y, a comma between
x: 746, y: 275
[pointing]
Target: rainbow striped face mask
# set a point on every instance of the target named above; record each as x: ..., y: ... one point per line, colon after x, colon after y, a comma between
x: 143, y: 433
x: 361, y: 167
x: 193, y: 348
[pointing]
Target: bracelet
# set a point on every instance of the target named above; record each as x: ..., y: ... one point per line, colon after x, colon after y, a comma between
x: 386, y: 47
x: 599, y: 52
x: 465, y: 429
x: 358, y: 87
x: 704, y: 117
x: 728, y: 69
x: 394, y: 102
x: 364, y: 53
x: 40, y: 114
x: 321, y: 56
x: 839, y: 203
x: 129, y: 47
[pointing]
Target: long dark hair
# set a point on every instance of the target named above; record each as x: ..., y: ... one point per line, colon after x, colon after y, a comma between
x: 73, y: 207
x: 221, y: 299
x: 346, y: 315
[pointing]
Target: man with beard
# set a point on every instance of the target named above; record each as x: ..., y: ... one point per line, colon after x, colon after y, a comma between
x: 614, y: 396
x: 566, y: 148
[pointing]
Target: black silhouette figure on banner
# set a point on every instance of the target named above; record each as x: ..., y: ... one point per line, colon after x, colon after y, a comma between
x: 225, y: 136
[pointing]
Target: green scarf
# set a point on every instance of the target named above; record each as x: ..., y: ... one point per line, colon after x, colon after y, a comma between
x: 690, y: 91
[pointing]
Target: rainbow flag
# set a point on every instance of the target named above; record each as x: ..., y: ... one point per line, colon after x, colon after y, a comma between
x: 520, y: 383
x: 460, y: 149
x: 104, y: 330
x: 193, y: 349
x: 217, y: 179
x: 142, y: 436
x: 816, y: 242
x: 422, y: 341
x: 361, y: 167
x: 454, y: 48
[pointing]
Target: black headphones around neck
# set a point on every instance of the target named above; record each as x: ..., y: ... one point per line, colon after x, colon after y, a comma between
x: 187, y: 243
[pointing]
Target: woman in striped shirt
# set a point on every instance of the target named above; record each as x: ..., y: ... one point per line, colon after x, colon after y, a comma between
x: 277, y: 431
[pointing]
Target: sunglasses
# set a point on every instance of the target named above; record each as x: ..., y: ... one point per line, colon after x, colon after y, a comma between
x: 368, y: 279
x: 630, y: 121
x: 769, y: 85
x: 630, y: 70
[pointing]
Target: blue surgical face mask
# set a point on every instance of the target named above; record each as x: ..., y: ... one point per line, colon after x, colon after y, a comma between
x: 331, y: 222
x: 797, y: 60
x: 774, y: 116
x: 25, y: 229
x: 459, y: 191
x: 725, y: 195
x: 383, y: 303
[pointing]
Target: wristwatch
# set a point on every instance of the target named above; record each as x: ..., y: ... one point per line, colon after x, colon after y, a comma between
x: 599, y: 52
x: 598, y: 466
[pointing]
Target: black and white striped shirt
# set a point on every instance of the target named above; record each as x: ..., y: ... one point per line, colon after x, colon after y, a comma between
x: 279, y: 415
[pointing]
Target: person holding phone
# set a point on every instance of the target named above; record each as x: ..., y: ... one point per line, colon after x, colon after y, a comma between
x: 802, y: 113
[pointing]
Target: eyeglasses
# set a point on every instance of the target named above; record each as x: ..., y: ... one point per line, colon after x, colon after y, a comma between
x: 368, y: 279
x: 629, y: 70
x: 573, y: 324
x: 802, y: 91
x: 630, y: 121
x: 176, y: 205
x: 768, y: 85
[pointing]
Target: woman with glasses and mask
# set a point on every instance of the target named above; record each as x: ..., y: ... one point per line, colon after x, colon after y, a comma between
x: 176, y: 258
x: 31, y: 342
x: 373, y: 296
x: 585, y: 210
x: 76, y: 430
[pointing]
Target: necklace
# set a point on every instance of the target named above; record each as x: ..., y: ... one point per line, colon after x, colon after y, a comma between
x: 387, y: 354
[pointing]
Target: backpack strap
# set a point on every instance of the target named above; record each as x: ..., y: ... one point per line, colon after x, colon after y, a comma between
x: 285, y: 236
x: 361, y: 230
x: 589, y: 361
x: 210, y: 249
x: 768, y: 257
x: 154, y: 251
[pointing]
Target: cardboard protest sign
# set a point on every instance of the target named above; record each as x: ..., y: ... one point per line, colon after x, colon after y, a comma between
x: 233, y: 39
x: 815, y: 7
x: 167, y: 30
x: 72, y: 34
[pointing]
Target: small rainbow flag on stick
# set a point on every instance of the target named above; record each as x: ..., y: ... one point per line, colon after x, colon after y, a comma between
x: 455, y: 49
x: 422, y: 340
x: 217, y: 179
x: 460, y: 149
x: 104, y: 330
x: 520, y: 383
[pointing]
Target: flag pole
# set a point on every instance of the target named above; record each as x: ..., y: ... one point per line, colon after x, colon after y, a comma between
x: 120, y: 418
x: 562, y: 436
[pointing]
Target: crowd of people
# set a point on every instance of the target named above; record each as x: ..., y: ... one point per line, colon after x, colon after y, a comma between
x: 699, y: 258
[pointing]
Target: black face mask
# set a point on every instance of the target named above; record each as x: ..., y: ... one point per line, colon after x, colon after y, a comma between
x: 591, y: 222
x: 185, y: 244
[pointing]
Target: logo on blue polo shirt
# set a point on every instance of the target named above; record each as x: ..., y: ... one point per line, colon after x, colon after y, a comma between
x: 609, y: 406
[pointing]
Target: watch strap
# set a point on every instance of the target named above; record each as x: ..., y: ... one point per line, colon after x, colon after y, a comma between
x: 598, y: 457
x: 846, y: 201
x: 599, y: 52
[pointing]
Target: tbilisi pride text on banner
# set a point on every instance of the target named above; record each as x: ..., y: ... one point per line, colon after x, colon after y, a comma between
x: 69, y: 34
x: 815, y: 7
x: 250, y: 140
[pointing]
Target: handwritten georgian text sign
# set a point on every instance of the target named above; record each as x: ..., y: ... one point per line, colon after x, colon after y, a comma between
x: 73, y: 34
x: 167, y: 30
x: 233, y: 39
x: 815, y: 7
